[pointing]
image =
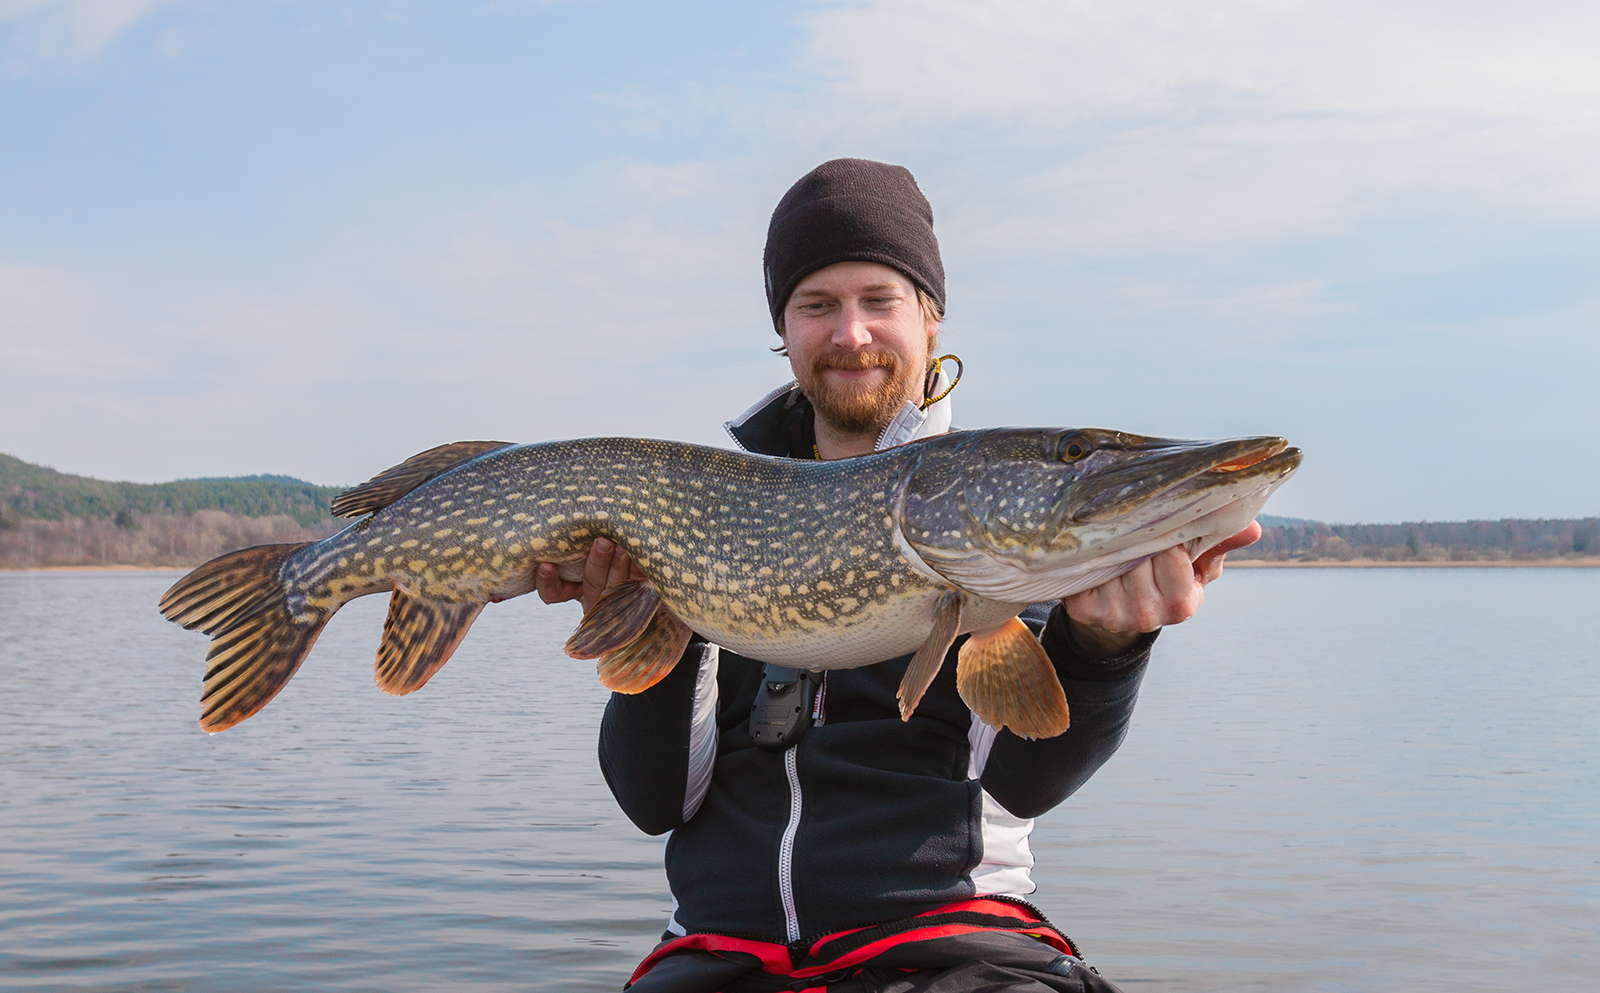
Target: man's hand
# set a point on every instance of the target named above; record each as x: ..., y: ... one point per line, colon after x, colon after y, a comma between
x: 1167, y: 589
x: 606, y: 566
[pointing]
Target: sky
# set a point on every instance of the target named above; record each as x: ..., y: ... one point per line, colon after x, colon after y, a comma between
x: 314, y: 237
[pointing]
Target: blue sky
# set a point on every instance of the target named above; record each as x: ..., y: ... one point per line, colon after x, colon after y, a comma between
x: 313, y: 237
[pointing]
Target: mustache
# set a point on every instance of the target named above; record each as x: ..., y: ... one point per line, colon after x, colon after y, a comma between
x: 854, y: 361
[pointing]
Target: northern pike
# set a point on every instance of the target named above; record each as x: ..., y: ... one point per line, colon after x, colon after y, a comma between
x: 810, y: 565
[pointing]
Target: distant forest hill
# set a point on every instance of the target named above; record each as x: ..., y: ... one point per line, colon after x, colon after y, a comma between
x: 1284, y: 538
x: 50, y: 518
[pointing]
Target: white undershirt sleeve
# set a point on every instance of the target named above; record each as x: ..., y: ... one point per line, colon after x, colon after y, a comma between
x: 702, y: 731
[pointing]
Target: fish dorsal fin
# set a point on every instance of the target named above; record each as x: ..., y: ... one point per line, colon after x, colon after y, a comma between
x: 647, y: 659
x: 1008, y: 681
x: 419, y: 637
x: 925, y: 664
x: 617, y: 618
x: 395, y: 482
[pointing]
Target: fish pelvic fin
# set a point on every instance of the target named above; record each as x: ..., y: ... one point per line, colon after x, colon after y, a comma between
x: 620, y: 615
x: 419, y: 636
x: 930, y: 657
x: 396, y: 481
x: 256, y: 644
x: 647, y: 659
x: 1007, y: 679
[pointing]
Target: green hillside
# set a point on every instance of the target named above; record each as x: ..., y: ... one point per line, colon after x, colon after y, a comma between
x: 29, y: 491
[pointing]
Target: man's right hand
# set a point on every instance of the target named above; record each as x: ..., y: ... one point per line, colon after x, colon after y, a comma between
x: 606, y: 566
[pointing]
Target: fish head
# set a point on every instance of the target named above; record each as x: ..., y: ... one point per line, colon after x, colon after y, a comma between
x: 1025, y: 515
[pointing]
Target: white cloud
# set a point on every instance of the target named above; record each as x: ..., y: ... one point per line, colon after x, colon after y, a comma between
x: 67, y: 29
x: 1129, y: 123
x: 1068, y: 60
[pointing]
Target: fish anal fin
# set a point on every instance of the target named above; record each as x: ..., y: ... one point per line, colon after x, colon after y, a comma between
x: 646, y: 660
x: 925, y: 664
x: 620, y: 615
x: 1007, y: 679
x: 419, y: 636
x: 395, y: 482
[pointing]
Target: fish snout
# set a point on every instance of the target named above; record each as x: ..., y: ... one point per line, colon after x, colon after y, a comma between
x: 1135, y: 477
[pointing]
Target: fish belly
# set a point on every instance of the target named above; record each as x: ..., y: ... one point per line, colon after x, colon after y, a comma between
x: 881, y: 631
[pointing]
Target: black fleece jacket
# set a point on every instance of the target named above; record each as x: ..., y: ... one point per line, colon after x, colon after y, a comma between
x: 889, y: 823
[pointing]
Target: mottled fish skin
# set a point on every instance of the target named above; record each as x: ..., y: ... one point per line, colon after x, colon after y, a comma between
x: 815, y: 565
x: 821, y: 564
x: 763, y: 555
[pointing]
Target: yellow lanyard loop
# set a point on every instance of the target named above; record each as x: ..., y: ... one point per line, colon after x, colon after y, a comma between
x: 933, y: 378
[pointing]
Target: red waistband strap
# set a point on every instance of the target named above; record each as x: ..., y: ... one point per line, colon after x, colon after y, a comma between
x: 846, y: 949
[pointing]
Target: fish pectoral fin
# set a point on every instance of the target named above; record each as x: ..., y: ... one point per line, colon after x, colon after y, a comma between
x: 419, y: 636
x: 620, y: 615
x: 396, y: 481
x: 647, y: 659
x: 1007, y: 679
x: 925, y: 664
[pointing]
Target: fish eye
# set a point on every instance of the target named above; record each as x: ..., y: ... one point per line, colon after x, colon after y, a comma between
x: 1074, y: 448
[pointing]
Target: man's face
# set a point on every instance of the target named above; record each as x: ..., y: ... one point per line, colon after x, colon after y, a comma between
x: 858, y: 343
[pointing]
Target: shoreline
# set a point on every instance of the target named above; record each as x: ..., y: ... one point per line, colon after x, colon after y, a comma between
x: 1588, y: 562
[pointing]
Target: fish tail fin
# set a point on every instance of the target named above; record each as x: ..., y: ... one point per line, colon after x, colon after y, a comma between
x: 212, y: 596
x: 1007, y: 679
x: 256, y: 644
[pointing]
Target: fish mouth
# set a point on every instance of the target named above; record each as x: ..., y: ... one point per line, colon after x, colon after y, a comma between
x: 1163, y: 470
x: 1249, y: 459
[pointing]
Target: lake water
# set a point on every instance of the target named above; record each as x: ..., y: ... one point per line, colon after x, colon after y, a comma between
x: 1336, y: 780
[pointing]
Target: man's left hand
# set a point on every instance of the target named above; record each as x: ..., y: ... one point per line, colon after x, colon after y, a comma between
x: 1166, y: 589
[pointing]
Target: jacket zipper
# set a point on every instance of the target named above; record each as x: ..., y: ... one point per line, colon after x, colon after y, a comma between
x: 791, y: 916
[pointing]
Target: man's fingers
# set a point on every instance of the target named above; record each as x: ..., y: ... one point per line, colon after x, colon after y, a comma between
x: 597, y: 567
x: 1179, y: 591
x: 1209, y: 566
x: 1249, y: 536
x: 607, y: 565
x: 551, y: 587
x: 621, y: 567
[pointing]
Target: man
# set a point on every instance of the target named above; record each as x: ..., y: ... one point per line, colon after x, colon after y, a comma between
x: 915, y: 831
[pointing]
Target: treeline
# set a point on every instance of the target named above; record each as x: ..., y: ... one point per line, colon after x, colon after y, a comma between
x: 35, y: 492
x: 50, y: 518
x: 1459, y: 541
x: 147, y: 539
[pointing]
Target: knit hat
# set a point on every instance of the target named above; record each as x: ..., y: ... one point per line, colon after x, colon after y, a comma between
x: 851, y: 210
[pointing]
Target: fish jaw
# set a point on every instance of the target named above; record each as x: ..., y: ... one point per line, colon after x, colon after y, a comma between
x: 1011, y: 520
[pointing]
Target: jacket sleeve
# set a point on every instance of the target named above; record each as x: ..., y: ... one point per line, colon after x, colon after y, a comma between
x: 657, y: 747
x: 1030, y: 777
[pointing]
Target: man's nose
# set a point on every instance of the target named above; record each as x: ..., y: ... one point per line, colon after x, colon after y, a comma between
x: 852, y: 330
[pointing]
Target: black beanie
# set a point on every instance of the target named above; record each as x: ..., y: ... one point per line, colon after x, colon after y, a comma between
x: 851, y: 210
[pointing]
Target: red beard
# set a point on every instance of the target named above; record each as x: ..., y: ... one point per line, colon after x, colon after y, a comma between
x: 859, y: 407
